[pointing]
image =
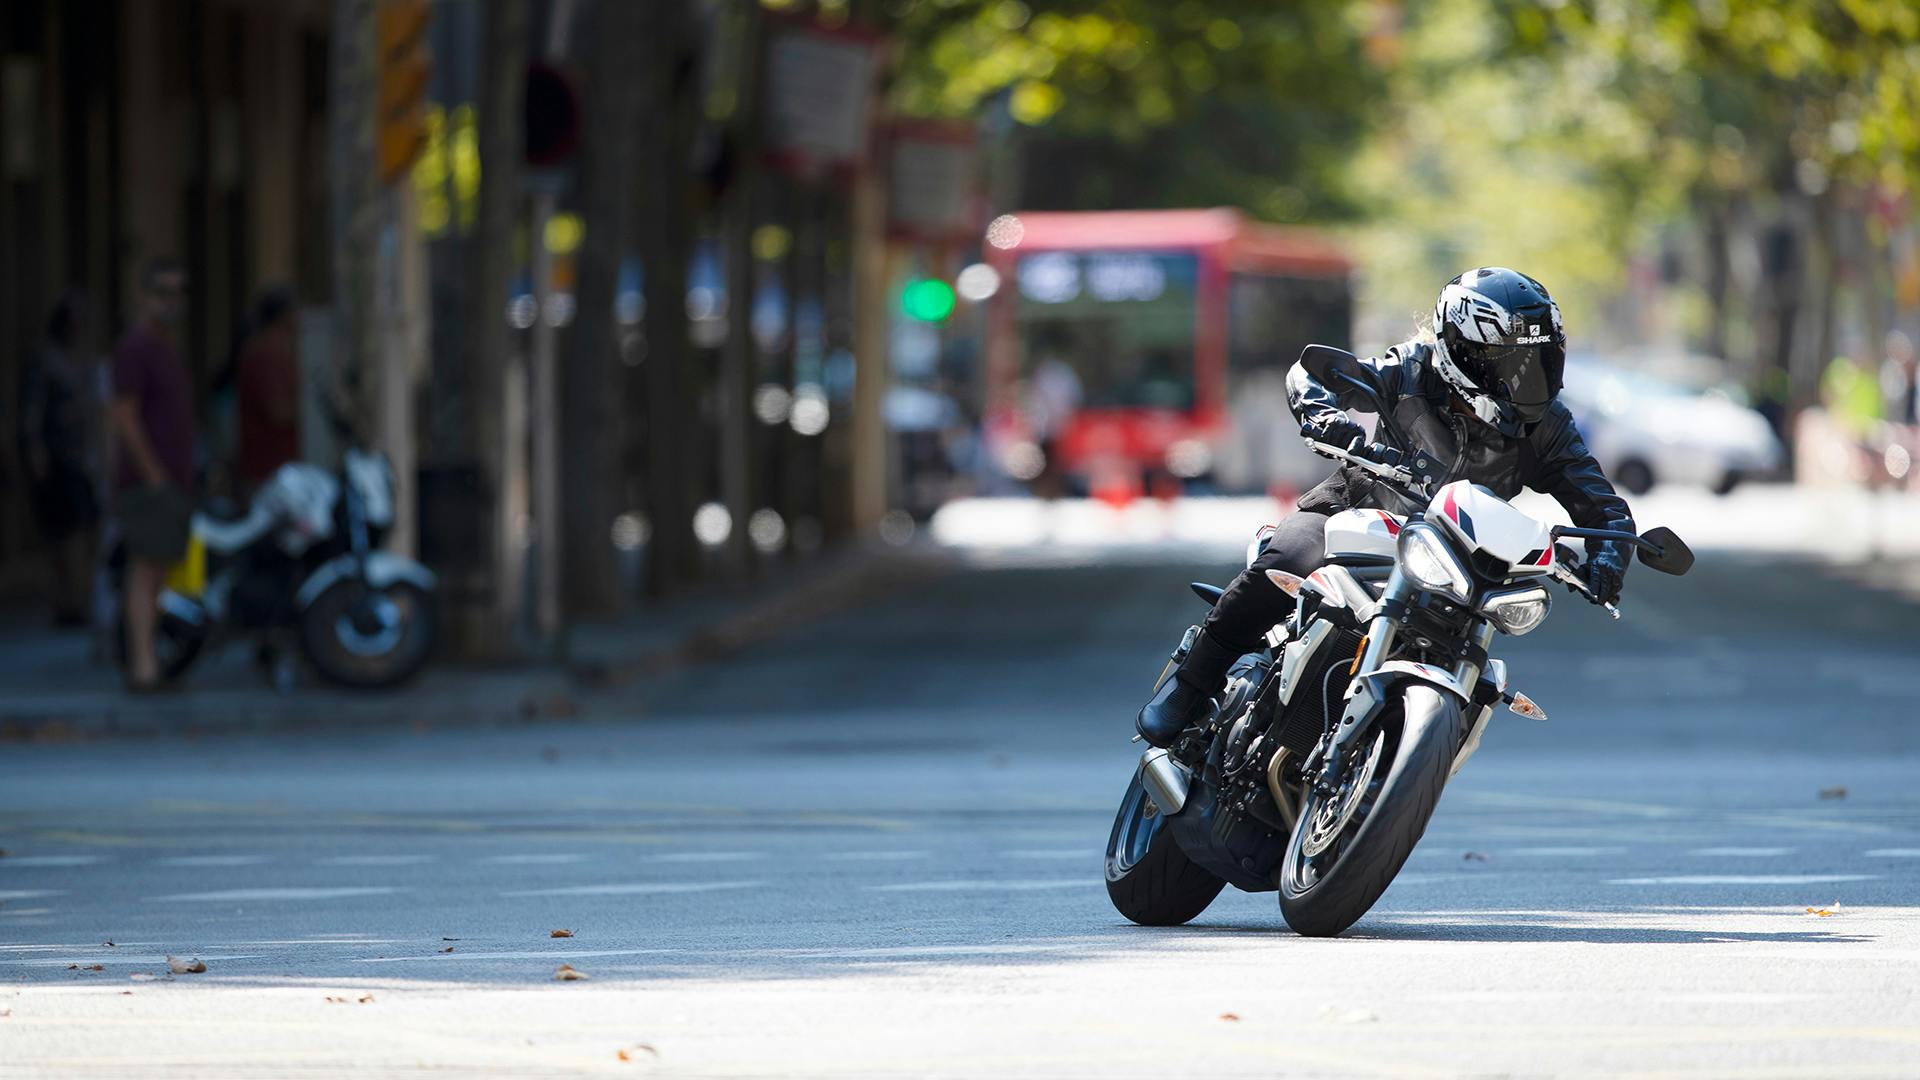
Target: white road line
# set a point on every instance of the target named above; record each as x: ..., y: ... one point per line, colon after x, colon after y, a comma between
x: 237, y: 895
x: 638, y: 888
x: 29, y: 894
x: 50, y: 860
x: 535, y: 859
x: 1562, y: 852
x: 1894, y: 853
x: 1741, y: 852
x: 375, y: 860
x: 1744, y: 879
x: 706, y: 856
x: 1015, y: 885
x: 215, y: 860
x: 876, y: 856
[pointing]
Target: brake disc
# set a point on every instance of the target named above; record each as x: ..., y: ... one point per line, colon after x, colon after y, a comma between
x: 1331, y: 816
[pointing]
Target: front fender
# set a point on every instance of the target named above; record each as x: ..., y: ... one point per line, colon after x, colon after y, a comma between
x: 384, y: 568
x: 1396, y: 671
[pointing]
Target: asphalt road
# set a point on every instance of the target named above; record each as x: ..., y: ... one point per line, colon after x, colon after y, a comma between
x: 872, y: 847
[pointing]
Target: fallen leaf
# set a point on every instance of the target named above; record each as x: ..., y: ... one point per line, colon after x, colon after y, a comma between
x: 1833, y: 792
x: 186, y: 967
x: 561, y: 933
x: 366, y: 999
x: 1233, y: 1017
x: 622, y: 1055
x: 108, y: 944
x: 94, y: 967
x: 1474, y: 856
x: 9, y: 1012
x: 76, y: 967
x: 126, y: 993
x: 566, y: 973
x: 447, y: 949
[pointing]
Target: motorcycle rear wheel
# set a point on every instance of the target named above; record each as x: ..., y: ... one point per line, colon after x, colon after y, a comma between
x: 1322, y: 895
x: 1149, y: 879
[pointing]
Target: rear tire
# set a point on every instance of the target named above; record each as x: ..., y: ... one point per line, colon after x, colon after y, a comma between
x: 1149, y: 879
x: 1423, y: 738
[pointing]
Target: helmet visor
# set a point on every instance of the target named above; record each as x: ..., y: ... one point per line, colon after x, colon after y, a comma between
x: 1518, y: 374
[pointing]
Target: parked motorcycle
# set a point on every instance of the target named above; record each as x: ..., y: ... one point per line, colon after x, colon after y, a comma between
x: 302, y: 562
x: 1325, y: 756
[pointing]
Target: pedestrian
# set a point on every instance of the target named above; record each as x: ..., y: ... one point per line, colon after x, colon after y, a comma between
x: 62, y: 413
x: 267, y: 379
x: 154, y: 425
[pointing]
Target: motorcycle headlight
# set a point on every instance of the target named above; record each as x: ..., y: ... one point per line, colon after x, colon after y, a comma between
x: 1519, y: 611
x: 1431, y: 564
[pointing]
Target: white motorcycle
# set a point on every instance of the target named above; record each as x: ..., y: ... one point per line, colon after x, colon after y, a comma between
x: 303, y: 562
x: 1330, y: 747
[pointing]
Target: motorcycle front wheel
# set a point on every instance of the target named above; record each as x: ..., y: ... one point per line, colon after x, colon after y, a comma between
x: 368, y: 637
x: 1149, y: 879
x: 1346, y: 848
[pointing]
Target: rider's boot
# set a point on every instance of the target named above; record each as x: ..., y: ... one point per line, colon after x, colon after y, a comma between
x: 1183, y: 700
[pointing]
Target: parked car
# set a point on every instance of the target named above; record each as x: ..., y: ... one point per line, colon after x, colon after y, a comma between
x: 1645, y: 430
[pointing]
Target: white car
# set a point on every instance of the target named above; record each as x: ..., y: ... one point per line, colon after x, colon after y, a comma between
x: 1645, y: 430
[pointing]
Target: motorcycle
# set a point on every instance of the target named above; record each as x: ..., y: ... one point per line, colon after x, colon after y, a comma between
x: 1316, y: 771
x: 302, y: 562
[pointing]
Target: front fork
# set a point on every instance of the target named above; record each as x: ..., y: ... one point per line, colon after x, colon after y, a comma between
x: 1365, y: 696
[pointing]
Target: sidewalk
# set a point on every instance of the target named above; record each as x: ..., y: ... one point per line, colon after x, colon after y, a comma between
x: 51, y: 688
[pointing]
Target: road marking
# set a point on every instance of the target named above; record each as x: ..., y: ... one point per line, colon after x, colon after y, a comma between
x: 1563, y: 852
x: 638, y: 888
x: 214, y: 860
x: 375, y: 860
x: 51, y: 860
x: 1894, y: 853
x: 1015, y: 885
x: 525, y: 954
x: 236, y: 895
x: 876, y: 856
x: 534, y: 859
x: 1744, y: 879
x: 705, y: 856
x: 1741, y: 852
x: 29, y: 894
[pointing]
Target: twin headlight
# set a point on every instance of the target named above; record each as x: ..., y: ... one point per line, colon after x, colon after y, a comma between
x: 1431, y: 563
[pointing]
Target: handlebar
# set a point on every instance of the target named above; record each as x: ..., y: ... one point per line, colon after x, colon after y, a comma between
x: 1402, y: 477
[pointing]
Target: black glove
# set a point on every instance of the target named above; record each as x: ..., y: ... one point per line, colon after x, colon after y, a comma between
x: 1337, y: 430
x: 1605, y: 572
x: 1381, y: 454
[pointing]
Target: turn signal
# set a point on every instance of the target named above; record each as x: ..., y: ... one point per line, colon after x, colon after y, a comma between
x: 1525, y: 706
x: 1286, y: 583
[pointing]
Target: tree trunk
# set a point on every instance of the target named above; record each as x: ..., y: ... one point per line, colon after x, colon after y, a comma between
x: 671, y: 81
x: 737, y: 360
x: 592, y: 482
x: 502, y: 103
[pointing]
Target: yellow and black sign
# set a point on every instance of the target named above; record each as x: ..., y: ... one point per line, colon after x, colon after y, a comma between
x: 405, y: 66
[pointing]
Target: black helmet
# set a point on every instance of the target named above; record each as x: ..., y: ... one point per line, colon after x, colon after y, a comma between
x: 1501, y: 346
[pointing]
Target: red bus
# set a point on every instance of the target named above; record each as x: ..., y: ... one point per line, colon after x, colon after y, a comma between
x: 1135, y: 350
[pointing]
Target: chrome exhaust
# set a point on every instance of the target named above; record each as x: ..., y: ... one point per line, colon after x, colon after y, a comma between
x: 1166, y: 780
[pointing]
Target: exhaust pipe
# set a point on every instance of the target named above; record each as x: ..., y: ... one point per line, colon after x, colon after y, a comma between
x: 1166, y: 780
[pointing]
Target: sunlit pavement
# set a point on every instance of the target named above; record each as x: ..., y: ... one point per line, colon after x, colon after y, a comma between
x: 872, y: 847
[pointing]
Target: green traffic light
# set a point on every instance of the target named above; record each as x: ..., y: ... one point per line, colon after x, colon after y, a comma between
x: 928, y: 300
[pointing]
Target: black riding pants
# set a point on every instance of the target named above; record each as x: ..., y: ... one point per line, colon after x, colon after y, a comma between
x: 1253, y: 605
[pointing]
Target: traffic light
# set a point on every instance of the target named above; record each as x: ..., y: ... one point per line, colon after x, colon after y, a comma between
x: 401, y: 129
x: 928, y: 300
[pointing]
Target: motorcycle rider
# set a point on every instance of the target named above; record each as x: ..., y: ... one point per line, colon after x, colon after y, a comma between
x: 1479, y: 396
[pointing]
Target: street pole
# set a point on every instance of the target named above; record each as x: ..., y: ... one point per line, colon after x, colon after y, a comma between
x: 546, y: 380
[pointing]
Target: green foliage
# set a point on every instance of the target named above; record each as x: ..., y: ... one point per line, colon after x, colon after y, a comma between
x: 1150, y: 103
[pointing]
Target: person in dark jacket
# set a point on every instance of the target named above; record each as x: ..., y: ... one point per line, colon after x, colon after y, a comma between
x: 63, y: 428
x: 1480, y: 396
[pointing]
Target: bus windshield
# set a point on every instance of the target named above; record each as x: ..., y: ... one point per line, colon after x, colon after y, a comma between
x: 1122, y: 321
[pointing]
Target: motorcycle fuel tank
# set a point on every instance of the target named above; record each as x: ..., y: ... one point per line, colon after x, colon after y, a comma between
x: 1362, y: 532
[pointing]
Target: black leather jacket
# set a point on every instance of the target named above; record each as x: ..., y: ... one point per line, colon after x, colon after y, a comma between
x: 1550, y: 457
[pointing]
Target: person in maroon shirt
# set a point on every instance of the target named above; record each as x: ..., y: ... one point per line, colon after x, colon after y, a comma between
x: 154, y: 429
x: 268, y: 384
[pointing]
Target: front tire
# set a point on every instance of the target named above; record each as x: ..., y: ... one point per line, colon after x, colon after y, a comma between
x: 1321, y: 895
x: 368, y: 638
x: 1149, y: 879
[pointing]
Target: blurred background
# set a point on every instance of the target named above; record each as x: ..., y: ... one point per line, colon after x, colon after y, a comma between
x: 641, y: 299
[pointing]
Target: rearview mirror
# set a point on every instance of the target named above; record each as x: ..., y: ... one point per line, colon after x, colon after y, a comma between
x: 1334, y: 367
x: 1673, y: 557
